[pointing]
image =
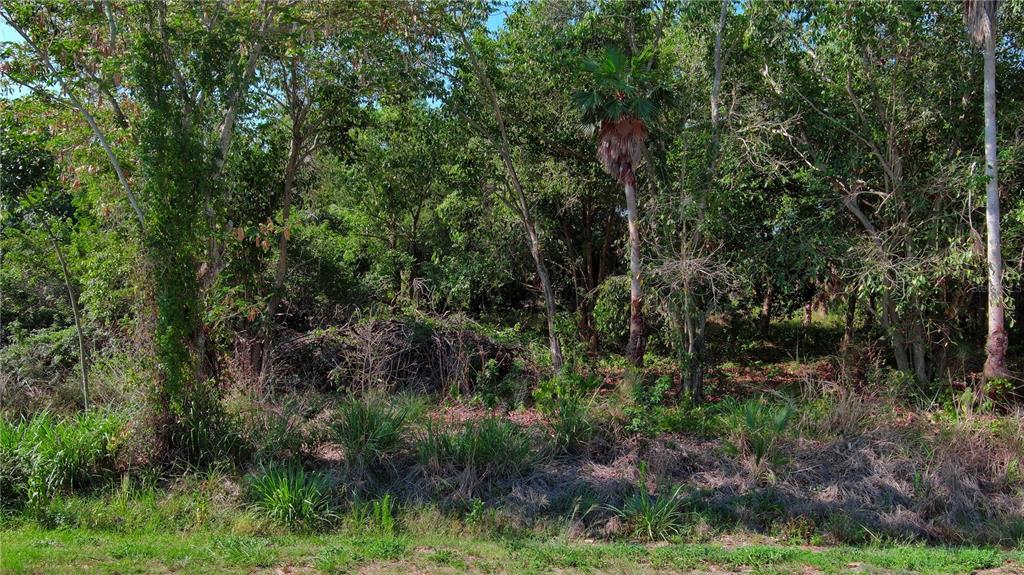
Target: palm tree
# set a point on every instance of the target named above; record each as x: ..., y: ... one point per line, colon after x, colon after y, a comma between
x: 620, y: 110
x: 980, y: 17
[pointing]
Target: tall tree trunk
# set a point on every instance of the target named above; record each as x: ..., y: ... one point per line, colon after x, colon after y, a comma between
x: 522, y: 206
x: 808, y: 308
x: 82, y: 359
x: 637, y: 345
x: 995, y: 346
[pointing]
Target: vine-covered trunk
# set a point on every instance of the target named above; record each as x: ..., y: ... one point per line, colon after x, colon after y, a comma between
x: 637, y: 345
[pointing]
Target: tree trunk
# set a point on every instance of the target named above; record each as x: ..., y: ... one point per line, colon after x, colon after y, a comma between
x: 807, y: 313
x: 694, y: 382
x: 851, y: 317
x: 997, y: 342
x: 896, y: 338
x: 523, y: 207
x: 549, y: 296
x: 82, y: 359
x: 637, y: 339
x: 766, y: 312
x: 282, y: 255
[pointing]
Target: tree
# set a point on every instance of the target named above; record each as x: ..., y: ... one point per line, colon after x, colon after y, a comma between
x: 517, y: 202
x: 621, y: 108
x: 980, y: 17
x: 32, y: 199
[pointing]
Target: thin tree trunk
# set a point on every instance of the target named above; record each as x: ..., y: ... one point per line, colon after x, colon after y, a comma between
x: 997, y: 342
x: 696, y: 319
x: 766, y: 311
x: 82, y: 360
x: 282, y: 254
x: 851, y: 317
x: 523, y: 208
x: 637, y: 345
x: 808, y: 308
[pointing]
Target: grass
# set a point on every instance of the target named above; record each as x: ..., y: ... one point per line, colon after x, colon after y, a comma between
x: 653, y: 517
x: 370, y: 430
x: 44, y: 455
x: 291, y: 495
x: 33, y: 550
x: 488, y: 448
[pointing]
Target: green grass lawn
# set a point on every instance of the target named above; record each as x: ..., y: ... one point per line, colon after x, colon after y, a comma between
x: 75, y: 551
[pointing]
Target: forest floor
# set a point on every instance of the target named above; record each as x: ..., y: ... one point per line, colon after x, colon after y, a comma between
x: 869, y: 475
x: 78, y: 551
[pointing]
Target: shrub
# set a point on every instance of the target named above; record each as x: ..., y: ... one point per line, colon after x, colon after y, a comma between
x: 370, y: 430
x: 566, y: 398
x: 566, y: 385
x: 645, y: 409
x: 650, y: 516
x: 488, y: 448
x: 290, y: 495
x: 43, y: 455
x: 755, y: 428
x: 496, y: 384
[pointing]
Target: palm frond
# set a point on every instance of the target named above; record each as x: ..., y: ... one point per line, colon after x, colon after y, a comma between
x: 980, y: 19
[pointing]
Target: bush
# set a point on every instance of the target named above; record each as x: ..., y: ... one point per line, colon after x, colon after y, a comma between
x: 755, y: 428
x: 645, y: 410
x: 489, y: 448
x: 43, y: 455
x: 652, y: 517
x: 565, y: 385
x: 291, y: 496
x: 370, y: 430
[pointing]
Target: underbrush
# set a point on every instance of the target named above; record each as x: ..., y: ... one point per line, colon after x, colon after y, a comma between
x: 43, y: 456
x: 490, y: 448
x: 833, y: 465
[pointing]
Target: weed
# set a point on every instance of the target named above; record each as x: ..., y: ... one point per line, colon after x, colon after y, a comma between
x: 488, y: 448
x: 291, y: 496
x: 376, y: 516
x: 652, y: 517
x: 370, y: 430
x: 248, y: 551
x: 755, y: 428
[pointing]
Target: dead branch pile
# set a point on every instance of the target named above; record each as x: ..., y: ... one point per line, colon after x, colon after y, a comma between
x: 398, y: 355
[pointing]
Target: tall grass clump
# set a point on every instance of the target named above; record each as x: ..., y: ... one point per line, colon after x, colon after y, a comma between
x: 652, y: 517
x: 489, y: 448
x: 567, y: 399
x: 291, y: 496
x: 755, y: 429
x: 370, y: 430
x: 44, y: 455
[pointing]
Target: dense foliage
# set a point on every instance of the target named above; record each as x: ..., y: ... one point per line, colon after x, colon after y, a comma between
x: 206, y: 206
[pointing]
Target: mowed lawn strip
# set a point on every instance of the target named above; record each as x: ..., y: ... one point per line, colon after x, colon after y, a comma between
x: 74, y: 551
